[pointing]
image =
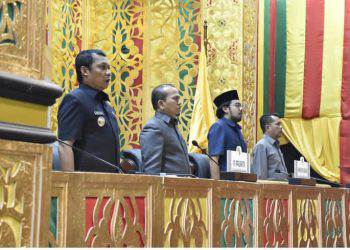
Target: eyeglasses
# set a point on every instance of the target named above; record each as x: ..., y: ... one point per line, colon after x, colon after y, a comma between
x: 238, y: 105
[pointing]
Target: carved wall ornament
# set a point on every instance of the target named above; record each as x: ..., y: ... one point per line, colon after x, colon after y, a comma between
x: 11, y: 200
x: 250, y: 23
x: 10, y: 15
x: 22, y: 33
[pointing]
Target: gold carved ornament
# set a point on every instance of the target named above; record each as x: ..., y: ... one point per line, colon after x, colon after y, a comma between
x: 11, y: 201
x: 10, y: 17
x: 116, y: 27
x: 121, y: 233
x: 186, y: 224
x: 250, y: 23
x: 65, y: 44
x: 126, y: 67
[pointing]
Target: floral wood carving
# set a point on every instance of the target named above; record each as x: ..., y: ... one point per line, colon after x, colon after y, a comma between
x: 10, y: 13
x: 119, y: 225
x: 276, y: 224
x: 333, y: 223
x: 186, y: 223
x: 11, y: 201
x: 307, y: 224
x: 237, y: 227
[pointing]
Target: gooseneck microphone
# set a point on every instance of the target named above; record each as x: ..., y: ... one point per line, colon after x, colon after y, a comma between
x: 195, y: 143
x: 93, y: 156
x: 318, y: 180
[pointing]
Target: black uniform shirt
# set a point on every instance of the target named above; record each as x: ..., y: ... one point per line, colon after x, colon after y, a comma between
x: 86, y: 117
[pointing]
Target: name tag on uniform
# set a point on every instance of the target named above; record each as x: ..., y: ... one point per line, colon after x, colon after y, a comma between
x: 301, y: 169
x: 237, y: 161
x: 98, y: 113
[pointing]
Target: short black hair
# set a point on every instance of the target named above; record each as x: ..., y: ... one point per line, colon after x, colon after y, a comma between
x: 85, y: 58
x: 158, y: 93
x: 267, y: 119
x: 220, y: 112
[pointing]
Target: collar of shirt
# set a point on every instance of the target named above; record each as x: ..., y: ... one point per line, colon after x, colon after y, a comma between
x: 166, y: 118
x: 95, y: 93
x: 230, y: 123
x: 271, y: 140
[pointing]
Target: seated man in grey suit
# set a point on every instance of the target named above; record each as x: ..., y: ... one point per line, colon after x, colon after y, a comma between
x: 162, y: 147
x: 268, y: 162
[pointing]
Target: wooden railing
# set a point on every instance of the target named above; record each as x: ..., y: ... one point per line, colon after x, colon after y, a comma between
x: 91, y: 209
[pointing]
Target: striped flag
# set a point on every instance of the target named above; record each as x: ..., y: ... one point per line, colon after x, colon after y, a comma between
x: 304, y: 68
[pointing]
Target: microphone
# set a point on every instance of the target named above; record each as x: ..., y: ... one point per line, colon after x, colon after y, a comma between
x: 282, y: 172
x: 93, y: 156
x: 318, y: 180
x: 195, y: 143
x: 333, y: 184
x: 179, y: 175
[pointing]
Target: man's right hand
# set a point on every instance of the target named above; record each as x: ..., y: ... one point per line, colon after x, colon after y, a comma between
x: 66, y: 156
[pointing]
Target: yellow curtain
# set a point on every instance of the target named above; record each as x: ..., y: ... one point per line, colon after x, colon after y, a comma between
x: 295, y: 58
x: 203, y: 113
x: 318, y: 141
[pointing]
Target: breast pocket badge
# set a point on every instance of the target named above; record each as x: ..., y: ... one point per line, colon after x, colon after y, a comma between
x: 101, y: 121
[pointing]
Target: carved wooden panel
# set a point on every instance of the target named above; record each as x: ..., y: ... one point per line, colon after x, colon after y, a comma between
x: 186, y: 214
x: 58, y: 212
x: 115, y: 221
x: 307, y: 221
x: 333, y: 223
x: 237, y: 227
x: 235, y: 218
x: 23, y: 168
x: 333, y: 217
x: 114, y: 210
x: 185, y: 222
x: 276, y: 225
x: 103, y: 210
x: 22, y: 36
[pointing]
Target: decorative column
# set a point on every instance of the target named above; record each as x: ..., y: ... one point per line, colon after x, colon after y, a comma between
x: 25, y: 160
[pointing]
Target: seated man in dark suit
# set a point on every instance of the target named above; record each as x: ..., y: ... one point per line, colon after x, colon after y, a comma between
x: 162, y: 147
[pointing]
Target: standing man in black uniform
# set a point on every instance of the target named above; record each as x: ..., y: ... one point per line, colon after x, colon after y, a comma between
x: 86, y: 120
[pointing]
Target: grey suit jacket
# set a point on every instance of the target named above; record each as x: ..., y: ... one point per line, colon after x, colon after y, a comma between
x: 162, y: 147
x: 268, y: 162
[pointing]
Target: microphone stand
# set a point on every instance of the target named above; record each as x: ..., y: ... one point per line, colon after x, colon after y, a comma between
x: 293, y: 180
x: 91, y: 155
x: 195, y: 143
x: 230, y: 176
